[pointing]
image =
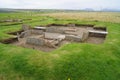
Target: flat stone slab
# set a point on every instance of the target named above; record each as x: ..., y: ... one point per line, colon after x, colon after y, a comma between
x: 54, y: 36
x: 40, y: 28
x: 98, y: 32
x: 55, y: 30
x: 95, y: 33
x: 38, y: 32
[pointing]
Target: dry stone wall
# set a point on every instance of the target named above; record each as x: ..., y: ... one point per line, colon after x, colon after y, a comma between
x: 73, y: 38
x: 35, y: 41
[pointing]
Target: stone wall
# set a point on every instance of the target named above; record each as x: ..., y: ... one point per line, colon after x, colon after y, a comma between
x: 73, y: 38
x: 35, y: 41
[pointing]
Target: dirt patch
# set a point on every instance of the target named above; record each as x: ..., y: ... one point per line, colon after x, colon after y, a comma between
x: 95, y: 40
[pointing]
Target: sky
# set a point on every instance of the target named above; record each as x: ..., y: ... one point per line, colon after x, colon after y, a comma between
x: 60, y: 4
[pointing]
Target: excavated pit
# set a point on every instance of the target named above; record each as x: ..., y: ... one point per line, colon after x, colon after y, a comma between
x: 55, y: 35
x: 15, y: 33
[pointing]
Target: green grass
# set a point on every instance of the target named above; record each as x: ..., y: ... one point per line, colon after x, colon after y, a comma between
x: 75, y: 61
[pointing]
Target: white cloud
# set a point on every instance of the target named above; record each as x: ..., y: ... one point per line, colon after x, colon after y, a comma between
x: 60, y: 4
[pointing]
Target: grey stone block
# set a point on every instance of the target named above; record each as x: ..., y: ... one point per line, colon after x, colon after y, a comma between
x: 27, y: 33
x: 85, y: 36
x: 25, y: 27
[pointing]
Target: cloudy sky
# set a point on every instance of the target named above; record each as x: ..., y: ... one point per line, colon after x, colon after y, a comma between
x: 60, y: 4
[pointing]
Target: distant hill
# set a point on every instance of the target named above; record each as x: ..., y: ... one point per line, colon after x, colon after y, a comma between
x: 54, y: 10
x: 6, y: 10
x: 36, y: 10
x: 88, y: 9
x: 111, y: 10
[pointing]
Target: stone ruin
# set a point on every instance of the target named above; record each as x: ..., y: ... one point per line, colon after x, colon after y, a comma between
x: 53, y: 36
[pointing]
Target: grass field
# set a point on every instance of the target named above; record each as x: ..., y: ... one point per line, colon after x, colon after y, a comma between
x: 113, y: 17
x: 74, y: 61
